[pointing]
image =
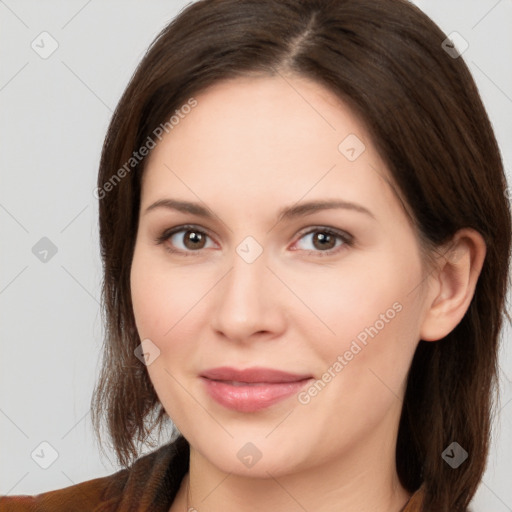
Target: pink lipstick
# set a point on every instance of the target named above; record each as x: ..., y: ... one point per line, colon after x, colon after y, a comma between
x: 251, y: 389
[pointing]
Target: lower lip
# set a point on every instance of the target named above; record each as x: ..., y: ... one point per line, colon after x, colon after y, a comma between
x: 254, y: 397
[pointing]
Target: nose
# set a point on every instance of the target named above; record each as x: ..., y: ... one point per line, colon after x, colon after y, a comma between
x: 249, y: 302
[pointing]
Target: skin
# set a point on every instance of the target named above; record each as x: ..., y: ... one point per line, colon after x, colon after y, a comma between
x: 249, y: 148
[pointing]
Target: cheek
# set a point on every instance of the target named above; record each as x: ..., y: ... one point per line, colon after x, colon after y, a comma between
x: 149, y: 302
x: 377, y: 330
x: 162, y: 295
x: 365, y: 298
x: 163, y: 301
x: 374, y: 319
x: 362, y: 370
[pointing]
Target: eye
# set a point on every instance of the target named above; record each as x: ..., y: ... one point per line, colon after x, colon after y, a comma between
x: 184, y: 240
x: 189, y: 239
x: 325, y: 241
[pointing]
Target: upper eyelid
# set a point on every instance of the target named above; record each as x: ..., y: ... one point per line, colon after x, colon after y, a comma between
x: 167, y: 233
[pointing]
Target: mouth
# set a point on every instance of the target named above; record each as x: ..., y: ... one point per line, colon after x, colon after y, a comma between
x: 256, y: 374
x: 251, y: 389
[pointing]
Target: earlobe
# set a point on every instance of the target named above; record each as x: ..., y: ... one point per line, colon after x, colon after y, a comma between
x: 459, y: 266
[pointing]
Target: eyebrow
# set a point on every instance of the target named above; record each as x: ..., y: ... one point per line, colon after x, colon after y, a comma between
x: 286, y: 213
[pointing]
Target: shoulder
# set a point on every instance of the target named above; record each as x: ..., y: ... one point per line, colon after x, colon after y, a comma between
x: 83, y: 496
x: 153, y: 478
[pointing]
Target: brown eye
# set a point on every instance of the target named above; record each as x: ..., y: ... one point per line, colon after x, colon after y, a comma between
x: 185, y: 240
x: 324, y: 241
x: 194, y: 239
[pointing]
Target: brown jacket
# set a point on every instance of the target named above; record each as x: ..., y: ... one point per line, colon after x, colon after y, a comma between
x: 149, y: 485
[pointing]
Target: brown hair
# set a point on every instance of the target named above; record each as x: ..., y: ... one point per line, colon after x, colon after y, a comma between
x: 421, y: 107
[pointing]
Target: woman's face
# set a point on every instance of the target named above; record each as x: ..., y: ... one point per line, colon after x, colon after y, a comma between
x: 329, y: 295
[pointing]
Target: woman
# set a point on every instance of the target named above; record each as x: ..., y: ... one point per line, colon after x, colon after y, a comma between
x: 306, y: 239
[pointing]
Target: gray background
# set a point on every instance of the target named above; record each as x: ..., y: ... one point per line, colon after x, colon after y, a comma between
x: 54, y: 114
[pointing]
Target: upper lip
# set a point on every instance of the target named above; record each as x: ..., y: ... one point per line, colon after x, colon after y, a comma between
x: 255, y: 374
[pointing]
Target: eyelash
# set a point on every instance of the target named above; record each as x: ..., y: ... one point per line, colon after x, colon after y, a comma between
x: 344, y: 237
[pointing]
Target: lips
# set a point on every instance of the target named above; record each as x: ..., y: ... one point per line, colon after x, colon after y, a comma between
x: 251, y: 389
x: 252, y: 375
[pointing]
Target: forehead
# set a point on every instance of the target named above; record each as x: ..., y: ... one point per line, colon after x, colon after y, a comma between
x: 266, y: 116
x: 275, y: 138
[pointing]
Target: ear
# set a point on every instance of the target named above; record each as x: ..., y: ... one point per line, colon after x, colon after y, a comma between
x: 453, y: 284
